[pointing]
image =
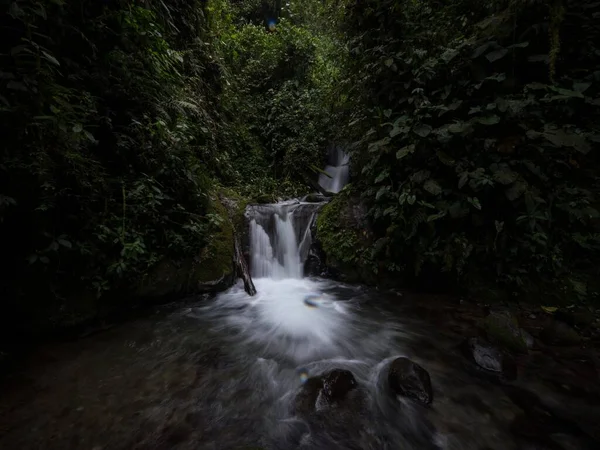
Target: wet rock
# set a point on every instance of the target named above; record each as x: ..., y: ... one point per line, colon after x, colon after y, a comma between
x: 580, y: 318
x: 409, y: 379
x: 328, y: 388
x: 305, y: 400
x: 559, y: 333
x: 315, y: 198
x: 337, y: 383
x: 503, y: 329
x: 489, y: 357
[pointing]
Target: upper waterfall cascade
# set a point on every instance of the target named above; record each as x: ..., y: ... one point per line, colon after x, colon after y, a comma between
x: 337, y: 170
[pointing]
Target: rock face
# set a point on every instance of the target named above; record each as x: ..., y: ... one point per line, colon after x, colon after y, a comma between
x: 489, y: 357
x: 409, y: 379
x: 345, y: 237
x: 503, y: 329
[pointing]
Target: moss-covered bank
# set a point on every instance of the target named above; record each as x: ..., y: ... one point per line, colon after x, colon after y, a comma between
x: 345, y: 238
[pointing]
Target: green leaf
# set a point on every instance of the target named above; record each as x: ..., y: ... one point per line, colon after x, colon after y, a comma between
x: 505, y: 176
x: 489, y: 120
x: 382, y: 176
x: 449, y: 55
x: 560, y: 138
x: 387, y: 112
x: 496, y: 55
x: 437, y: 216
x: 432, y: 187
x: 464, y: 177
x: 65, y: 243
x: 398, y: 130
x: 581, y: 86
x: 77, y: 128
x: 516, y: 190
x: 375, y: 146
x: 519, y: 45
x: 420, y: 176
x: 566, y: 92
x: 481, y: 49
x: 422, y: 130
x: 412, y: 199
x: 381, y: 191
x: 50, y: 58
x: 389, y: 62
x: 405, y: 151
x: 89, y: 136
x: 458, y: 127
x: 475, y: 202
x: 445, y: 159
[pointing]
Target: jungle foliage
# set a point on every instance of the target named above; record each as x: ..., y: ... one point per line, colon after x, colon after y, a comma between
x: 109, y: 142
x: 282, y: 92
x: 477, y: 140
x: 122, y: 119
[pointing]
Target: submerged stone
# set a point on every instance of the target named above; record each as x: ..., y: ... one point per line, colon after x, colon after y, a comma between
x: 409, y: 379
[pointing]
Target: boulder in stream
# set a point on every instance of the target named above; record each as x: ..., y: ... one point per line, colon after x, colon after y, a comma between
x: 503, y: 329
x: 327, y: 388
x: 409, y: 379
x: 559, y: 333
x: 489, y: 358
x: 337, y: 383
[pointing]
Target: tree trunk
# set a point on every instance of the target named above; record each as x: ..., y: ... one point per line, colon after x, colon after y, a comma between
x: 242, y: 268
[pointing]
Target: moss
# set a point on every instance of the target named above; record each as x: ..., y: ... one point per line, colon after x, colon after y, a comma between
x: 345, y: 244
x: 216, y: 259
x: 235, y: 205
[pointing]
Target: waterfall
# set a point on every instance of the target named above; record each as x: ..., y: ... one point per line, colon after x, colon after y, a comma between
x: 280, y: 238
x: 337, y: 171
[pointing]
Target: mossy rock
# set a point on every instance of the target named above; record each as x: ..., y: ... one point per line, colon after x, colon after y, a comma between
x: 214, y: 268
x: 503, y: 329
x: 211, y: 271
x: 345, y: 239
x: 235, y: 205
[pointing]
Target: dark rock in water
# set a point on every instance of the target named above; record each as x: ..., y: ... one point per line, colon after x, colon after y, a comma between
x: 559, y: 333
x: 306, y: 398
x: 489, y: 357
x: 409, y: 379
x: 328, y: 388
x: 503, y: 329
x: 337, y: 383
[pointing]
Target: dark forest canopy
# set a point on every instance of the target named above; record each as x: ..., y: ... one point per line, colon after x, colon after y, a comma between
x: 473, y: 127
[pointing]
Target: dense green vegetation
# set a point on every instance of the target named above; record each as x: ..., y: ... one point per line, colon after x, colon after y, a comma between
x: 477, y: 141
x: 473, y: 124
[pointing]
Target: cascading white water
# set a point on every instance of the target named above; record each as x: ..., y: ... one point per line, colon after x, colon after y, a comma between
x: 337, y: 170
x: 280, y: 239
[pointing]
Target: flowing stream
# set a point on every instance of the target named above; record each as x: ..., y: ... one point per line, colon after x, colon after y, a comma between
x: 223, y: 373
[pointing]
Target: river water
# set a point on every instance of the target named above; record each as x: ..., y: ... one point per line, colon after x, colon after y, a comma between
x: 223, y: 373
